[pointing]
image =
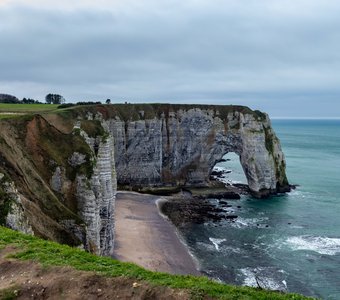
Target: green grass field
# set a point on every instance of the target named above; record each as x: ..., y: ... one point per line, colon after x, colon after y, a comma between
x: 8, y: 116
x: 53, y: 254
x: 26, y: 108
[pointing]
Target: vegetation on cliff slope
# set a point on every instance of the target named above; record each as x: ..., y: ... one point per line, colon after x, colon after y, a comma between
x: 53, y: 254
x: 32, y: 149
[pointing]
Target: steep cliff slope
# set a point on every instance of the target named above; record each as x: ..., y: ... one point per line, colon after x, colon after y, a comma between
x: 58, y: 185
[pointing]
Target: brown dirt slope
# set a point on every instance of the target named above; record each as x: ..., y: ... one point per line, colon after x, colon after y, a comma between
x: 31, y: 149
x: 30, y: 280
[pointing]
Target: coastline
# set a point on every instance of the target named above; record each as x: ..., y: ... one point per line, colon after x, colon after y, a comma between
x: 144, y: 236
x: 159, y: 202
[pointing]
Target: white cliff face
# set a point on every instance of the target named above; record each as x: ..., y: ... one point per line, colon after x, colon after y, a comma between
x: 96, y: 197
x: 182, y: 147
x: 261, y: 156
x: 138, y: 147
x: 16, y: 218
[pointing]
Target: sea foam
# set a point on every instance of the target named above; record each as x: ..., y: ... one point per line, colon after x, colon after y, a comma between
x: 322, y: 245
x: 217, y: 242
x: 250, y: 222
x: 264, y: 278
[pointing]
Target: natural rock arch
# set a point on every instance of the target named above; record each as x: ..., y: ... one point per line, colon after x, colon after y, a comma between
x: 181, y: 146
x: 229, y: 169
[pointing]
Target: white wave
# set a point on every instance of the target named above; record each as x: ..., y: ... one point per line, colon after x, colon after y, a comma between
x: 236, y: 182
x: 296, y: 226
x: 322, y: 245
x: 218, y: 169
x: 206, y: 246
x: 225, y: 176
x: 247, y: 222
x: 217, y: 242
x: 301, y: 194
x: 232, y: 250
x: 241, y: 222
x: 229, y: 209
x: 228, y: 181
x: 260, y: 277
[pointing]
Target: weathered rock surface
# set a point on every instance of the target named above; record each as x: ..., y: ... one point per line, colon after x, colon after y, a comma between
x: 181, y: 145
x: 96, y: 197
x: 10, y: 201
x: 185, y: 211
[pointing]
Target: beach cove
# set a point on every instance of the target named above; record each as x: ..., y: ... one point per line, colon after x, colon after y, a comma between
x: 145, y: 237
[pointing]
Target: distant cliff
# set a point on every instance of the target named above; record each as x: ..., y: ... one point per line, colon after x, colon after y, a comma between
x: 59, y: 171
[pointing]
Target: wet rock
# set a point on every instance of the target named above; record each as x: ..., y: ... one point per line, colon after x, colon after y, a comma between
x: 217, y: 173
x: 185, y: 211
x: 222, y: 160
x: 221, y: 195
x: 231, y: 217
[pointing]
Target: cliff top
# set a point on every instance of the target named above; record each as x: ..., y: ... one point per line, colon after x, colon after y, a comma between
x: 125, y: 112
x: 136, y: 111
x: 110, y: 275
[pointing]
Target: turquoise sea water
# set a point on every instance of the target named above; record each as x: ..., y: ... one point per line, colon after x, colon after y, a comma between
x: 289, y: 242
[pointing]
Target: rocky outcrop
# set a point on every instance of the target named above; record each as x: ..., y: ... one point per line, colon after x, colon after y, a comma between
x: 181, y: 144
x: 96, y: 198
x: 12, y: 211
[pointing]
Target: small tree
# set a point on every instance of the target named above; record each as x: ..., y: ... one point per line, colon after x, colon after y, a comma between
x: 54, y: 99
x: 108, y: 101
x: 5, y: 98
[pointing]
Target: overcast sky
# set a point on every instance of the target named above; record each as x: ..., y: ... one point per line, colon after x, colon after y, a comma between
x: 279, y: 56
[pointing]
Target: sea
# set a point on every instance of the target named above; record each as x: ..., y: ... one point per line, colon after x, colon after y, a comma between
x: 289, y: 242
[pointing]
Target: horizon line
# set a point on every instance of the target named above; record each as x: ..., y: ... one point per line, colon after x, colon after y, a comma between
x: 304, y: 118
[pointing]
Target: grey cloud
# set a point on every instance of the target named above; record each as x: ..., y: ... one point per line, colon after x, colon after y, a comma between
x: 259, y: 53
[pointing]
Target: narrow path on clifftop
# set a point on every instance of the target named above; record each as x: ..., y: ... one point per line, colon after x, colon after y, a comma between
x: 144, y: 237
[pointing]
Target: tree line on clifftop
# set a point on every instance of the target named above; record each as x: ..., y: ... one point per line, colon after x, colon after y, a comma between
x: 49, y: 99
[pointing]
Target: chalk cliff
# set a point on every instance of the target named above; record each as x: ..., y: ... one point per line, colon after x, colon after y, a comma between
x: 180, y: 145
x: 59, y: 171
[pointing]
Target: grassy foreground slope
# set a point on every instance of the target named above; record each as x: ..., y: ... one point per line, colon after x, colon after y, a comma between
x: 52, y: 254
